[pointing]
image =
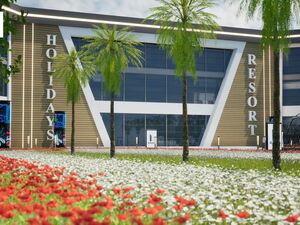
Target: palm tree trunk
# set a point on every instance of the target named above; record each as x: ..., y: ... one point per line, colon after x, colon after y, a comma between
x: 276, y: 128
x: 112, y: 126
x: 73, y: 129
x: 185, y: 139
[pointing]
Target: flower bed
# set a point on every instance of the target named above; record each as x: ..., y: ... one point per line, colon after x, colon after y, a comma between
x: 52, y: 189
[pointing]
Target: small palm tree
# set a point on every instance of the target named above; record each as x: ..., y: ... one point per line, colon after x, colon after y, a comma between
x: 277, y: 17
x: 183, y: 40
x: 67, y: 68
x: 112, y: 51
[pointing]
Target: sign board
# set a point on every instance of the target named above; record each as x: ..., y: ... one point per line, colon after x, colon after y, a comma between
x: 151, y: 138
x: 1, y: 24
x: 270, y: 136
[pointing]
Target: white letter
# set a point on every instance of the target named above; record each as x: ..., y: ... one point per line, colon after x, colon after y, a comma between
x: 51, y: 94
x: 252, y: 88
x: 252, y: 128
x: 50, y: 135
x: 252, y: 101
x: 49, y: 68
x: 252, y: 116
x: 251, y: 59
x: 51, y: 53
x: 51, y: 80
x: 251, y: 72
x: 50, y: 108
x: 51, y: 39
x: 50, y: 121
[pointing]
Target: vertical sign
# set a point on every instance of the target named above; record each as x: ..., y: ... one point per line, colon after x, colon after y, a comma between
x: 50, y: 92
x: 1, y: 24
x: 252, y: 100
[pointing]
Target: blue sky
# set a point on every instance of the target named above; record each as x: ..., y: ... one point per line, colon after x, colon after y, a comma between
x: 227, y: 14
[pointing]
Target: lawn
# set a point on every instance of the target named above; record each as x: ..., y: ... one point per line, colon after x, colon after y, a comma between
x: 291, y: 167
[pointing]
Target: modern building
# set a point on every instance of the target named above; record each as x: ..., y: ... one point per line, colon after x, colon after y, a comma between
x: 230, y: 101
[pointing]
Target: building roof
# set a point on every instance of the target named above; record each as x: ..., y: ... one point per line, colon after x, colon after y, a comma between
x: 79, y: 19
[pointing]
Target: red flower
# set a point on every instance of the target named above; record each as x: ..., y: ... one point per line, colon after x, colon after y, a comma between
x: 122, y: 217
x: 292, y: 218
x: 159, y: 221
x: 154, y: 199
x: 183, y: 219
x: 160, y: 191
x: 243, y: 215
x: 223, y: 215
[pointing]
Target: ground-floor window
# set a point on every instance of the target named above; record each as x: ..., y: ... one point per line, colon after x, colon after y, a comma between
x: 131, y: 128
x: 291, y: 130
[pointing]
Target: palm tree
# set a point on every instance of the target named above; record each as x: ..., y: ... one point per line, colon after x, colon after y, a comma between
x: 112, y: 51
x: 183, y: 26
x: 277, y: 17
x: 67, y: 68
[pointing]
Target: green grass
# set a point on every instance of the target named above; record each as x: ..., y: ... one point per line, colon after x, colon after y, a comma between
x: 291, y: 167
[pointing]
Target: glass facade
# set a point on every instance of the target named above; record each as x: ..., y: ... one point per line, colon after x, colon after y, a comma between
x: 157, y: 82
x: 291, y: 130
x: 133, y: 127
x: 291, y: 78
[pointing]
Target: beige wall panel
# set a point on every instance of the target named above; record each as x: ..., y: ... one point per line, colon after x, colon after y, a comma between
x: 86, y: 132
x: 233, y: 126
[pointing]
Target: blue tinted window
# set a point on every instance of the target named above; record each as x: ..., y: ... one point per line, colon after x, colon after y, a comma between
x: 200, y: 61
x: 214, y: 60
x: 157, y: 122
x: 291, y: 130
x: 134, y: 128
x: 118, y: 127
x: 212, y: 89
x: 196, y: 90
x: 291, y: 63
x: 135, y: 87
x: 291, y: 93
x: 174, y: 89
x: 156, y: 88
x: 170, y: 63
x: 155, y: 56
x: 197, y: 125
x: 174, y: 128
x: 227, y: 57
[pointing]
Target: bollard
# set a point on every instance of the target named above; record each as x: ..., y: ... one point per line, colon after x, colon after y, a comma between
x: 257, y: 142
x: 35, y: 142
x: 28, y: 141
x: 136, y: 141
x: 97, y: 142
x: 219, y: 142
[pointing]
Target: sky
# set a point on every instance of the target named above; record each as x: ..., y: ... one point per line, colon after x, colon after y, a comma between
x: 226, y: 13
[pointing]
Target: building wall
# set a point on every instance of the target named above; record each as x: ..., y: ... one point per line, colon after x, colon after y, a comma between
x: 86, y: 132
x: 233, y: 126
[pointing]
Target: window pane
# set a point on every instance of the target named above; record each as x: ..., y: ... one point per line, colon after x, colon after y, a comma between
x: 134, y: 127
x: 157, y: 122
x: 118, y: 127
x: 196, y: 90
x: 291, y: 93
x: 156, y: 88
x: 142, y: 49
x: 214, y: 60
x: 174, y: 129
x: 291, y: 130
x: 212, y: 89
x: 155, y: 57
x: 174, y: 89
x: 200, y: 61
x: 291, y: 63
x: 135, y: 87
x: 197, y: 126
